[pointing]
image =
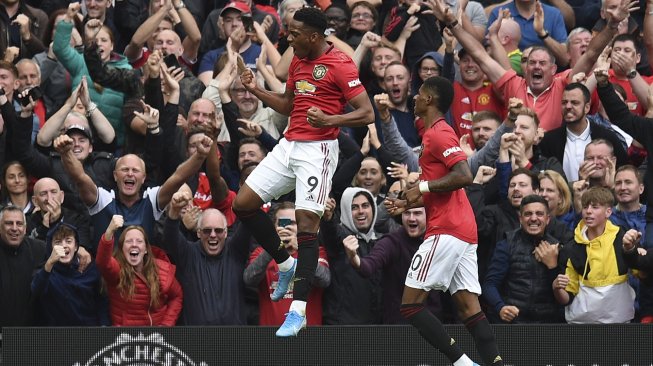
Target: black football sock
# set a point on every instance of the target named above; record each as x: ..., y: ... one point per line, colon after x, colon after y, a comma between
x: 431, y: 329
x: 483, y: 335
x: 308, y: 253
x: 263, y: 230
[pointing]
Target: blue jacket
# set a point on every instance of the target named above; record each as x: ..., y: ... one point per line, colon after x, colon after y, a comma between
x: 66, y: 297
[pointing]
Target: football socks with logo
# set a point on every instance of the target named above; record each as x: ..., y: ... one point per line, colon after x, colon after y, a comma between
x: 431, y: 329
x: 480, y: 329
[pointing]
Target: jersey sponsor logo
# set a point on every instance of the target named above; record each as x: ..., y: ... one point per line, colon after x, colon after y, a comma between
x: 304, y: 87
x: 319, y: 71
x: 483, y: 99
x: 464, y: 126
x: 467, y: 116
x: 451, y: 150
x: 354, y: 83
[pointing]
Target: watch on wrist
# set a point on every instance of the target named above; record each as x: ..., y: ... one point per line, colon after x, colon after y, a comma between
x: 544, y: 36
x: 631, y: 74
x: 452, y: 25
x: 180, y: 6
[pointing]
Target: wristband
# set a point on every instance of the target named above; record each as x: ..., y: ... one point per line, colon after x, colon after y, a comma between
x: 543, y: 37
x: 424, y: 186
x: 92, y: 107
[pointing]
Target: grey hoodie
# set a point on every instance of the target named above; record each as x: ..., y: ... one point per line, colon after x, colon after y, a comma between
x: 346, y: 216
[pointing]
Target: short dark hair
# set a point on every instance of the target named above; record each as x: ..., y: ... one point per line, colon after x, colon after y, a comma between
x: 582, y: 88
x: 487, y: 114
x: 251, y: 140
x: 367, y: 195
x: 626, y: 37
x: 64, y: 231
x: 545, y: 49
x: 313, y: 18
x: 533, y: 198
x: 535, y: 180
x: 283, y: 205
x: 442, y: 90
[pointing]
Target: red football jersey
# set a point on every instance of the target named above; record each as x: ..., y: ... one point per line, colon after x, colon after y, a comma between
x: 447, y: 212
x: 466, y: 103
x: 327, y: 82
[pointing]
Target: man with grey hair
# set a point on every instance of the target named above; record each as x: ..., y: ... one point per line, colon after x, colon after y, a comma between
x: 20, y: 257
x: 210, y: 269
x: 577, y: 42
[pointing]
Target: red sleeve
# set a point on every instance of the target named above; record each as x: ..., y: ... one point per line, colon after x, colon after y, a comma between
x: 347, y: 79
x: 445, y: 147
x: 505, y: 85
x: 175, y: 301
x: 255, y: 253
x: 106, y: 263
x: 323, y: 258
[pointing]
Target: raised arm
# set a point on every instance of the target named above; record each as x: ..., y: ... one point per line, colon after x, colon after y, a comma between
x: 490, y: 67
x: 191, y: 42
x: 280, y: 102
x: 601, y: 40
x: 559, y: 50
x: 134, y: 49
x: 183, y: 172
x: 85, y: 185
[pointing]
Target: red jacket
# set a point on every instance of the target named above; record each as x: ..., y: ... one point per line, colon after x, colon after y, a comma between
x: 137, y: 310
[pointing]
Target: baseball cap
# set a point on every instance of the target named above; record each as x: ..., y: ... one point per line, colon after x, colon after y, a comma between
x: 237, y: 5
x: 79, y: 129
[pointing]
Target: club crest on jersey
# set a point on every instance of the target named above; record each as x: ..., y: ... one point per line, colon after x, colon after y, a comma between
x: 319, y: 71
x: 304, y: 87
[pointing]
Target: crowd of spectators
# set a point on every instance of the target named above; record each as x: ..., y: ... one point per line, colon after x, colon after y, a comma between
x: 125, y: 133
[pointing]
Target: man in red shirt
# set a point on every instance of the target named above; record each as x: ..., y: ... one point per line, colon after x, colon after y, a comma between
x: 539, y: 89
x: 446, y: 260
x: 321, y: 81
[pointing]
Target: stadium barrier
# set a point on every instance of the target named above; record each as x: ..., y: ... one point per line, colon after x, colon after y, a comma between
x: 520, y: 345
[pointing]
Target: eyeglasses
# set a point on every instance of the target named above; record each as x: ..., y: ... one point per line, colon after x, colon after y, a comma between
x: 524, y: 59
x: 362, y: 16
x: 429, y: 70
x: 208, y: 230
x: 337, y: 19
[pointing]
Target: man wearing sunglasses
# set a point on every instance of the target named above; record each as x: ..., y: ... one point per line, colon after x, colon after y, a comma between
x: 210, y: 269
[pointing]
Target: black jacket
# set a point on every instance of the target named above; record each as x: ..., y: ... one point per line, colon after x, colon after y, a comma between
x: 522, y: 281
x: 641, y: 128
x: 17, y: 265
x: 554, y: 141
